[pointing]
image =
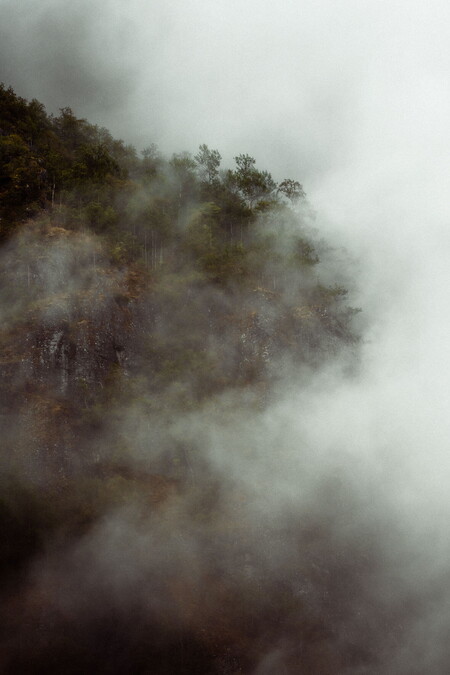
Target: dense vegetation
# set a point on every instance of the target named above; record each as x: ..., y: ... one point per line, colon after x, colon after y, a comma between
x: 178, y: 228
x: 137, y: 291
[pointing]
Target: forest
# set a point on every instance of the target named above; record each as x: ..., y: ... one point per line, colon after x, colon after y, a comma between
x: 152, y: 310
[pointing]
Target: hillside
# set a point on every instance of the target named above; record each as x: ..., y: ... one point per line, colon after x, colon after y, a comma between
x: 152, y: 307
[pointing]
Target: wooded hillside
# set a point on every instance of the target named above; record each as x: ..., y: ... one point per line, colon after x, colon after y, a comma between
x: 139, y: 294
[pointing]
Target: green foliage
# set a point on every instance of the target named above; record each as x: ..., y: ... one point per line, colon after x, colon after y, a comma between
x: 218, y: 258
x: 184, y: 178
x: 292, y: 189
x: 201, y: 230
x: 123, y: 248
x: 22, y: 173
x: 99, y: 217
x: 151, y: 162
x: 27, y: 120
x: 225, y: 263
x: 98, y: 181
x: 254, y: 185
x: 182, y: 223
x: 208, y: 162
x: 155, y: 215
x: 22, y: 180
x: 94, y: 164
x: 305, y: 253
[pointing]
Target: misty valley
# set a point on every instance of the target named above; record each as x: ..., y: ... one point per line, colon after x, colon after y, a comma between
x: 164, y: 506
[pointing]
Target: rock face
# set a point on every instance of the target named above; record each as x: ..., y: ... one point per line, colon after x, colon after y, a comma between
x: 79, y: 354
x: 68, y: 331
x: 70, y: 318
x: 82, y: 335
x: 122, y: 514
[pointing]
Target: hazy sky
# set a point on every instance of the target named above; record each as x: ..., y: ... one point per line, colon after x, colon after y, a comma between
x: 314, y: 88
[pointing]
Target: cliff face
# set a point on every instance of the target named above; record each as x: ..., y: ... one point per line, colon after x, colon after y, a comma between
x: 84, y: 338
x: 111, y: 379
x: 67, y: 328
x: 111, y: 375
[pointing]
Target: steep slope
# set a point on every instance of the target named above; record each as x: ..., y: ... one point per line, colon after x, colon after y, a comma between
x: 145, y: 304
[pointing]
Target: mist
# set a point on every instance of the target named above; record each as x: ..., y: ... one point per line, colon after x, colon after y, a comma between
x: 351, y: 99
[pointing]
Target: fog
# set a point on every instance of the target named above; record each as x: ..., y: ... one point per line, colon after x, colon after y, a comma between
x: 352, y: 99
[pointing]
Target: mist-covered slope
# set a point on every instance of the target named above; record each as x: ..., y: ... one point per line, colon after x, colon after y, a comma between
x: 166, y: 503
